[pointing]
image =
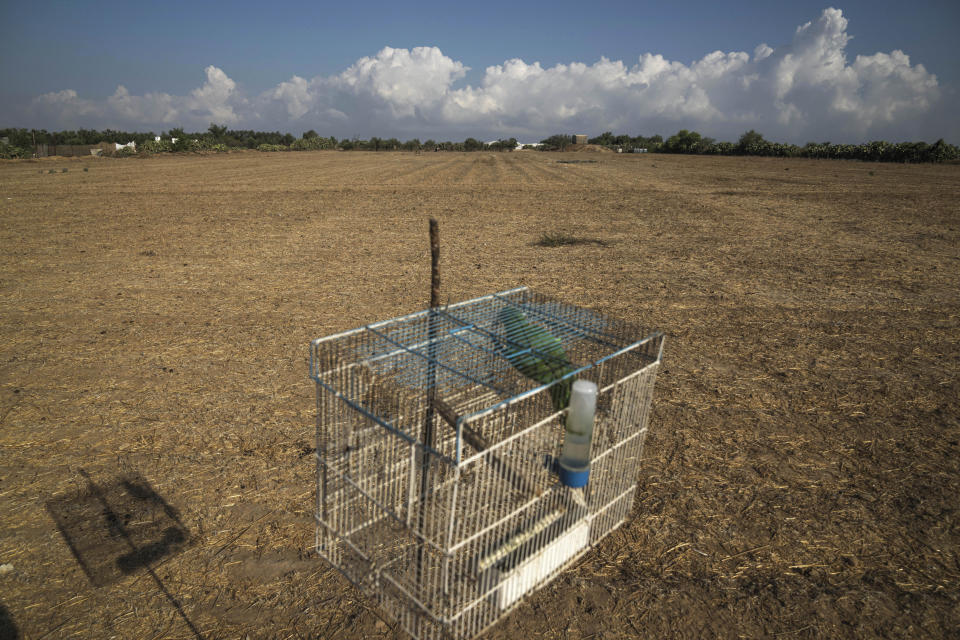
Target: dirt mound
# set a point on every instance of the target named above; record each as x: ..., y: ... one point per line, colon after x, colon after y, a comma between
x: 588, y: 148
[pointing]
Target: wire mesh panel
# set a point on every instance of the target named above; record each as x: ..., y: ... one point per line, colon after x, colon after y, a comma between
x: 438, y: 436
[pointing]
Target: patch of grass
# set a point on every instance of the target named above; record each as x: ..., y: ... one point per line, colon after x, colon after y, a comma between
x: 560, y: 239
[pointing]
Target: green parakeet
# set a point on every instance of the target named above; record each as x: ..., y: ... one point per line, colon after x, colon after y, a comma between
x: 536, y: 354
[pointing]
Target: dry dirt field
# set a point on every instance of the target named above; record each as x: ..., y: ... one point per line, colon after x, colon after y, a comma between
x: 801, y: 476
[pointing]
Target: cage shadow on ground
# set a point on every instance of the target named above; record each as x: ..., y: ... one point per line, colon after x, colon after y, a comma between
x: 117, y: 528
x: 8, y: 628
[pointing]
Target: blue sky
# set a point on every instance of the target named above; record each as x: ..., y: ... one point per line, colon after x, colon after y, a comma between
x: 61, y: 64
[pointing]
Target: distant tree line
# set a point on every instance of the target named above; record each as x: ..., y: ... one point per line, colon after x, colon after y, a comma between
x: 753, y: 143
x: 559, y: 142
x: 220, y: 138
x: 216, y: 134
x: 28, y: 137
x: 20, y: 144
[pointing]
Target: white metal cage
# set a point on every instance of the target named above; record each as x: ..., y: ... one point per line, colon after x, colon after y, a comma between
x: 437, y: 493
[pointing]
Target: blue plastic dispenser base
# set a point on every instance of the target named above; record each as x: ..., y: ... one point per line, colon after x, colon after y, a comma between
x: 574, y: 478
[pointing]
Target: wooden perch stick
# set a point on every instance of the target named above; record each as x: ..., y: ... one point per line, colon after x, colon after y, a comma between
x: 428, y: 435
x: 436, y: 406
x: 434, y: 264
x: 478, y: 442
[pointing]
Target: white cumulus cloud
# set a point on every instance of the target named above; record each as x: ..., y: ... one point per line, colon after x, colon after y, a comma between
x: 403, y: 80
x: 216, y: 99
x: 152, y: 107
x: 803, y: 90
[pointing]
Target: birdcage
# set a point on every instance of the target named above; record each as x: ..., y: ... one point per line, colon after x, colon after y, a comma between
x: 437, y: 485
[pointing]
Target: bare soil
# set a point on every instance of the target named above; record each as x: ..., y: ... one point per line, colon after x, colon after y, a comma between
x: 802, y: 472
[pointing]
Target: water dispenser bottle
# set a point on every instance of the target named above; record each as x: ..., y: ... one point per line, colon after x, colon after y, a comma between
x: 574, y: 464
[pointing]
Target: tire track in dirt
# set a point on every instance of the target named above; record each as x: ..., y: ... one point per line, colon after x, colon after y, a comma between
x: 424, y: 170
x: 518, y: 169
x: 590, y: 175
x: 485, y: 170
x: 467, y: 173
x: 449, y: 171
x: 335, y: 169
x: 571, y: 174
x: 499, y: 170
x: 375, y: 173
x: 523, y: 165
x: 548, y: 173
x: 332, y: 170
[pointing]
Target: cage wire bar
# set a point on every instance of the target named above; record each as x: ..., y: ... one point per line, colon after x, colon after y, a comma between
x: 450, y: 536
